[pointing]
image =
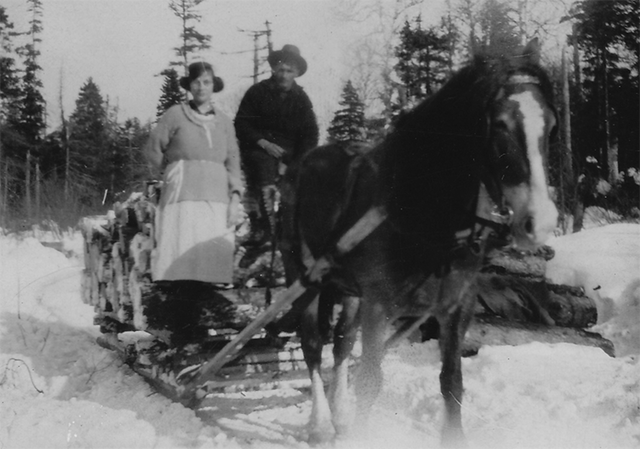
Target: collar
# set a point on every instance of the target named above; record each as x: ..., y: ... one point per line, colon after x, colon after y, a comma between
x: 211, y: 110
x: 273, y: 85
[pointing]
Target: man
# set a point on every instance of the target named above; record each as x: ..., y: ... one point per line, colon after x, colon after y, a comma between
x: 275, y: 126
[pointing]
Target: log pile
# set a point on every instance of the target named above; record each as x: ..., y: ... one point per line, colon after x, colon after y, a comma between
x: 117, y: 255
x: 517, y: 305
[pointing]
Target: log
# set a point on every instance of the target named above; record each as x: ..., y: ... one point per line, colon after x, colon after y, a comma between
x: 524, y: 263
x: 536, y: 301
x: 495, y: 331
x: 513, y: 286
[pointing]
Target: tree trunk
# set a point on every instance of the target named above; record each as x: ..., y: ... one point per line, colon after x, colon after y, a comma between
x: 5, y: 191
x: 576, y: 62
x: 27, y: 185
x: 67, y: 163
x: 567, y: 180
x: 38, y: 180
x: 606, y: 116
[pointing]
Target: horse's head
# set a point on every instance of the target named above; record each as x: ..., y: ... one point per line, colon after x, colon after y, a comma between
x: 521, y: 122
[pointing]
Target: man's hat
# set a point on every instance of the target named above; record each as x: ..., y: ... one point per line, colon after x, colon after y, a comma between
x: 288, y: 54
x: 195, y: 70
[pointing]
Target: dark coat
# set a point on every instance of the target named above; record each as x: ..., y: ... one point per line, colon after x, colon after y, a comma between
x: 284, y: 118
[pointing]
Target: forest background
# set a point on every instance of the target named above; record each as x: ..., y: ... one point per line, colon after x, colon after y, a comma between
x: 59, y: 163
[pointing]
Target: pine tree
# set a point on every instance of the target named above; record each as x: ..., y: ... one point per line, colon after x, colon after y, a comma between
x: 9, y: 110
x: 171, y: 93
x: 423, y: 61
x: 89, y: 144
x: 348, y: 122
x: 31, y: 122
x: 32, y: 111
x: 192, y: 40
x: 9, y: 80
x: 89, y: 117
x: 498, y: 31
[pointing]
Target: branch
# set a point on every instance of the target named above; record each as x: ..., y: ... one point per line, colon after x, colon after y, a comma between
x: 4, y: 377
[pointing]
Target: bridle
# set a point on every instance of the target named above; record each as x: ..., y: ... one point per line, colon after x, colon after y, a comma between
x: 493, y: 217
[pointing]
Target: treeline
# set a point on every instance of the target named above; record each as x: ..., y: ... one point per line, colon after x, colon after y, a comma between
x: 594, y: 160
x: 92, y: 159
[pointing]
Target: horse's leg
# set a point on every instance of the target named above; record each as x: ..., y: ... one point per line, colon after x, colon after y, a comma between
x: 369, y: 374
x: 320, y: 426
x: 459, y: 288
x: 344, y: 338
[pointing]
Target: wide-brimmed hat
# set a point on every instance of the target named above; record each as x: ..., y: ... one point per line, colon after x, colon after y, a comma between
x: 289, y: 53
x: 195, y: 70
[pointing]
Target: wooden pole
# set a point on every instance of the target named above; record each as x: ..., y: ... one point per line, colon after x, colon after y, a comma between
x: 363, y: 227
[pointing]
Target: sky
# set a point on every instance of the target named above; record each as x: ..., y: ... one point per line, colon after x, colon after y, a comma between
x: 124, y: 44
x: 59, y: 389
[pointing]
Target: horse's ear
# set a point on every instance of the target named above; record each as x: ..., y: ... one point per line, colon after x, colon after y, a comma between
x: 532, y: 51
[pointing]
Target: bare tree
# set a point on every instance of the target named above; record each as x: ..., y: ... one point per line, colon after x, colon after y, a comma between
x: 373, y: 55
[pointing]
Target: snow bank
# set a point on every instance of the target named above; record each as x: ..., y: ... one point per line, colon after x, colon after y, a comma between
x: 606, y: 263
x: 59, y: 389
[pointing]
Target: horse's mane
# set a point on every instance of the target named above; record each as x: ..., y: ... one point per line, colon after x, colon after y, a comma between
x: 432, y: 160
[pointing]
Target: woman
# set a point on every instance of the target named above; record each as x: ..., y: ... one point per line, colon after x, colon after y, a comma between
x: 195, y: 146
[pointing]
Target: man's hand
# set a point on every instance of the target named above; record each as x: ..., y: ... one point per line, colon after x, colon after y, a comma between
x: 271, y: 148
x: 233, y: 211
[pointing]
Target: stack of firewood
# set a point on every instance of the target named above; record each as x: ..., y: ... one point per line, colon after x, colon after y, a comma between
x: 517, y: 305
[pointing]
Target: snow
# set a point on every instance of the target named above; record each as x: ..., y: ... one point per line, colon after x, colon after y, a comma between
x: 59, y: 389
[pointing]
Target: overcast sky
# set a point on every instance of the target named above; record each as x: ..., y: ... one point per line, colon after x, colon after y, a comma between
x: 123, y: 44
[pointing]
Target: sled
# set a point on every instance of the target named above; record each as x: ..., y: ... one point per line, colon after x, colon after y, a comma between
x: 238, y: 354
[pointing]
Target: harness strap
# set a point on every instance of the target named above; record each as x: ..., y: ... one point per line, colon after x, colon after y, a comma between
x: 497, y: 219
x: 317, y: 269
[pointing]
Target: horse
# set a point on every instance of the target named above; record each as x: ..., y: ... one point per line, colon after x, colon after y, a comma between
x: 463, y: 172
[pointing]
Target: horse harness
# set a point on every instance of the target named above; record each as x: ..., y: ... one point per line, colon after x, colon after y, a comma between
x: 491, y: 222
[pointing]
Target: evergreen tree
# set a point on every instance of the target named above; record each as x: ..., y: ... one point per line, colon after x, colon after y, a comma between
x: 9, y: 79
x: 498, y: 32
x: 32, y: 108
x: 88, y: 143
x: 32, y: 112
x: 348, y: 122
x: 423, y: 61
x: 607, y: 123
x: 192, y: 40
x: 31, y: 121
x: 171, y: 93
x: 89, y: 117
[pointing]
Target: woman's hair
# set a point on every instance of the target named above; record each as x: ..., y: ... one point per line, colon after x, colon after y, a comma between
x: 196, y: 70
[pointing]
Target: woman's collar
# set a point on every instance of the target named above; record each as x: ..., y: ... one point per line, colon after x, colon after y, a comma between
x: 210, y: 108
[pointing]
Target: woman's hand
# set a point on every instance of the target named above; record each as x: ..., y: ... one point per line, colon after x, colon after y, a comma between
x: 271, y: 148
x: 233, y: 211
